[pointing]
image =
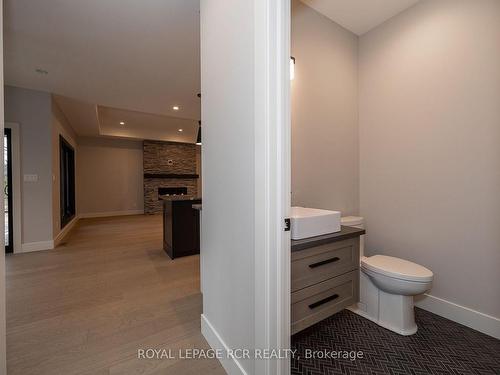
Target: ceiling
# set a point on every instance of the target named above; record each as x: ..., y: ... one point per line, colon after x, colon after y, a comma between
x: 81, y: 115
x: 146, y: 126
x: 132, y: 61
x: 90, y: 120
x: 136, y: 55
x: 359, y: 16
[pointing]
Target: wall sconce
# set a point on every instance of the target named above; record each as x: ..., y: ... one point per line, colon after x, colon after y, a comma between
x: 292, y: 68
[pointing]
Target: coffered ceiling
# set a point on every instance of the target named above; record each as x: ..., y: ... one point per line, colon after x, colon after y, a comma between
x: 90, y: 120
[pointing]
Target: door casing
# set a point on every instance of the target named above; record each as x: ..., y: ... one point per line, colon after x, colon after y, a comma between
x: 16, y: 185
x: 8, y: 189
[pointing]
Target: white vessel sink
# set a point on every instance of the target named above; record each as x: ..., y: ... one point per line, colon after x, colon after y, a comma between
x: 311, y: 222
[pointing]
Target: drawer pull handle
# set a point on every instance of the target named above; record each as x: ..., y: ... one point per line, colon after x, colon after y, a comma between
x: 323, y: 301
x: 323, y: 262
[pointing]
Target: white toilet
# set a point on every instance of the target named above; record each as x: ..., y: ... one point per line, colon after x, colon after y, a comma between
x: 387, y: 286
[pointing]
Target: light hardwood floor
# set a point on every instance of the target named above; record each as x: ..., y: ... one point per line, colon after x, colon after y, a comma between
x: 109, y: 290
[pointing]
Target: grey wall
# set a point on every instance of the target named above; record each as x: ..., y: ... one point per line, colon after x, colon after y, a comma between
x: 32, y: 110
x: 324, y: 113
x: 109, y: 176
x: 430, y: 145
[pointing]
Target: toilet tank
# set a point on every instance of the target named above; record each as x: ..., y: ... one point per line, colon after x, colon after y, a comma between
x: 357, y: 222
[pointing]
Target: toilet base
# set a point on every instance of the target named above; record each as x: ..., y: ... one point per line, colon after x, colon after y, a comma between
x: 391, y: 311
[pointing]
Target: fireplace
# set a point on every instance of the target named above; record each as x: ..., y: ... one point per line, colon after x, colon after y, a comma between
x: 179, y: 190
x: 170, y: 169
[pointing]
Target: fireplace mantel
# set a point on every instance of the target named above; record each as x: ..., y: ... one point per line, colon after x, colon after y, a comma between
x: 170, y: 175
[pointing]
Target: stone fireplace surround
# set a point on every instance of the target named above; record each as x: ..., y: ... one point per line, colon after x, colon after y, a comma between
x: 167, y: 164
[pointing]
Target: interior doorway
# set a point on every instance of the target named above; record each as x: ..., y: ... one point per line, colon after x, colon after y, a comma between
x: 7, y: 183
x: 68, y: 207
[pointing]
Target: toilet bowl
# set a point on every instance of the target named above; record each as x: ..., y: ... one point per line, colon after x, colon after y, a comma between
x: 387, y: 287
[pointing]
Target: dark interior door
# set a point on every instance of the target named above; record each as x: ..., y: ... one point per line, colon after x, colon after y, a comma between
x: 7, y: 188
x: 67, y: 188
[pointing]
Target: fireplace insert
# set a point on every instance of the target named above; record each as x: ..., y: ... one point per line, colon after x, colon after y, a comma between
x: 172, y: 191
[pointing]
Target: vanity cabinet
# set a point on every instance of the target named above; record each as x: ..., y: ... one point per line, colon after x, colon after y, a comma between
x: 325, y: 276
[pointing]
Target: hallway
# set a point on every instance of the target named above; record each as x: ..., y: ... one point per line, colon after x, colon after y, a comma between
x: 109, y: 290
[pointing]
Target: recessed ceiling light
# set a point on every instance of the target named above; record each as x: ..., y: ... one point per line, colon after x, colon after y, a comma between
x: 175, y: 107
x: 122, y: 123
x: 181, y: 130
x: 41, y: 71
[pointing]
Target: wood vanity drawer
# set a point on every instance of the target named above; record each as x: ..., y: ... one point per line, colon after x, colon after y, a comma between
x: 323, y: 262
x: 315, y: 303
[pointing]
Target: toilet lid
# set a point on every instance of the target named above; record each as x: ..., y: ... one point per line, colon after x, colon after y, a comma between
x: 397, y: 268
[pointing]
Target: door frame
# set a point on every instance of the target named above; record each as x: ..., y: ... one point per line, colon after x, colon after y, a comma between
x: 3, y: 329
x: 16, y: 184
x: 65, y: 144
x: 272, y: 182
x: 7, y: 143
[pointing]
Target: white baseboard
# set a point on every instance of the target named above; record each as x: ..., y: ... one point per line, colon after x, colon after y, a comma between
x: 49, y: 245
x: 36, y: 246
x: 67, y: 228
x: 231, y: 365
x: 473, y: 319
x: 110, y: 213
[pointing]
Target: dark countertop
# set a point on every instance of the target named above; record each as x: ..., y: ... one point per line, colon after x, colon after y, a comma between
x: 344, y: 234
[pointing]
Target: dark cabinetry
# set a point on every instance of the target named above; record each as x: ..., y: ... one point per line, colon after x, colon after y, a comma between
x: 181, y: 227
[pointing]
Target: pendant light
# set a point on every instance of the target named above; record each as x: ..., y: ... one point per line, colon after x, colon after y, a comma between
x: 198, y: 138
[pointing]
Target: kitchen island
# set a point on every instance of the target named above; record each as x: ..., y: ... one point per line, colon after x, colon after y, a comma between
x: 181, y: 226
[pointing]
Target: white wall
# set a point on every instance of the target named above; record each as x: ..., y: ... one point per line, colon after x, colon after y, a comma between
x: 228, y: 235
x: 109, y: 176
x: 429, y: 87
x: 32, y: 110
x: 324, y: 113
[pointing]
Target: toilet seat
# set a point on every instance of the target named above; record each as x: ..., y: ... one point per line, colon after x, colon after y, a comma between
x: 396, y: 268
